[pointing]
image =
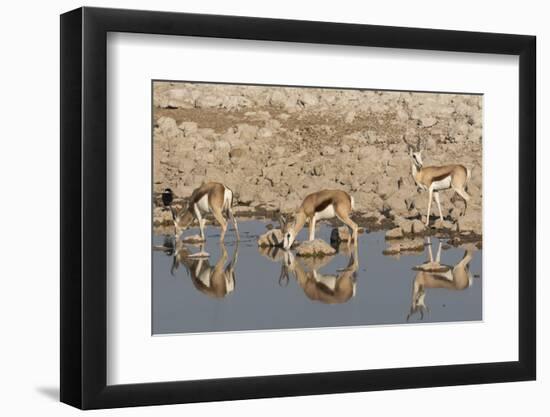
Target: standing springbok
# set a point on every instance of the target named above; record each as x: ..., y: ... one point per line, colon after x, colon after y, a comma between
x: 438, y: 178
x: 211, y: 197
x: 325, y: 204
x: 433, y: 274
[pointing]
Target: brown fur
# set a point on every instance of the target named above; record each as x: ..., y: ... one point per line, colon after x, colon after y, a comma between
x: 317, y: 202
x: 425, y: 177
x: 430, y: 174
x: 216, y: 195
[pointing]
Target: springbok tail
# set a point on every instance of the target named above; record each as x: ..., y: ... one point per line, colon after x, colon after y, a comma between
x: 468, y: 176
x: 228, y: 199
x: 352, y: 202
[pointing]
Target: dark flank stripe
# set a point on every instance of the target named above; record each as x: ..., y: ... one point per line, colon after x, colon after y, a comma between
x: 323, y: 205
x: 198, y: 194
x: 441, y: 177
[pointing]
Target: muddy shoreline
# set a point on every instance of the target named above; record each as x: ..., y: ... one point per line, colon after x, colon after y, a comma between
x: 366, y: 225
x: 272, y: 146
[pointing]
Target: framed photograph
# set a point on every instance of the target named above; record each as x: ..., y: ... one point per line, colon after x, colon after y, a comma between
x: 257, y: 208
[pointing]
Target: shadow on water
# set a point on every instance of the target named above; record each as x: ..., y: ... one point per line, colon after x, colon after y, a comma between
x: 239, y: 286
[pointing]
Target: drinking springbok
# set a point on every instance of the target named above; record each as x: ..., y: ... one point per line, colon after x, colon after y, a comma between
x: 438, y: 178
x: 433, y: 274
x: 211, y: 197
x: 325, y: 204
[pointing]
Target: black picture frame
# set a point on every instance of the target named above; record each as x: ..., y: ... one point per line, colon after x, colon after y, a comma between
x: 84, y: 207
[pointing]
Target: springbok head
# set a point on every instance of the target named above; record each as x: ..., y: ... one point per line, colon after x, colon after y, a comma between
x: 415, y: 152
x: 289, y: 231
x: 182, y: 219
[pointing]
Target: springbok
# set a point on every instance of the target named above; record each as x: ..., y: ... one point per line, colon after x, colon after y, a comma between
x: 328, y: 289
x: 433, y: 274
x: 211, y: 197
x: 217, y: 281
x: 325, y: 204
x: 438, y: 178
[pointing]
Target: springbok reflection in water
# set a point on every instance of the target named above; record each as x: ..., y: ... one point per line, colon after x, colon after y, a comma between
x: 326, y: 288
x: 215, y: 281
x: 433, y: 274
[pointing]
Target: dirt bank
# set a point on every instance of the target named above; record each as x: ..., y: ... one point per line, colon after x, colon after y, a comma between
x: 272, y: 146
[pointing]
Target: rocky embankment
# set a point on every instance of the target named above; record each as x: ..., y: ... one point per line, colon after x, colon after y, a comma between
x: 272, y: 146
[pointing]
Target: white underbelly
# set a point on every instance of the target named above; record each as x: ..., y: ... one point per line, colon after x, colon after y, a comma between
x: 327, y: 213
x: 328, y: 281
x: 204, y: 277
x: 443, y: 184
x: 448, y: 275
x: 203, y: 205
x: 229, y: 283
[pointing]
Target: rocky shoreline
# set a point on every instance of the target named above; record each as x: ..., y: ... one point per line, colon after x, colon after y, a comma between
x: 272, y: 146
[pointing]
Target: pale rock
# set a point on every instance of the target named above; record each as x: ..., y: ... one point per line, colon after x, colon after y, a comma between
x: 328, y: 151
x: 418, y: 227
x: 428, y: 121
x: 208, y: 101
x: 444, y: 225
x: 308, y: 99
x: 395, y: 233
x: 247, y: 132
x: 350, y: 117
x: 239, y: 152
x: 168, y: 127
x: 222, y: 145
x: 188, y: 127
x: 265, y: 133
x: 279, y: 151
x: 236, y: 102
x: 412, y: 245
x: 315, y: 247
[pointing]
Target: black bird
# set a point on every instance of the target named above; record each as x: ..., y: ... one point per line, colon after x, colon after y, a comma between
x: 167, y: 197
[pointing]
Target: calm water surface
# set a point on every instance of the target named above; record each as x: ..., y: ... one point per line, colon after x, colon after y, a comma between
x: 243, y: 287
